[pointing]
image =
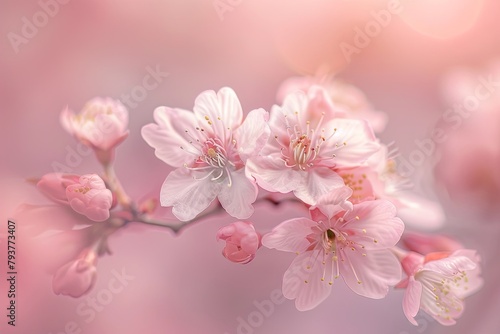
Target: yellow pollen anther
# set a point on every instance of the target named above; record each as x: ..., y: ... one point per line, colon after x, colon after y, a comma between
x: 357, y: 217
x: 207, y: 118
x: 375, y: 240
x: 364, y: 230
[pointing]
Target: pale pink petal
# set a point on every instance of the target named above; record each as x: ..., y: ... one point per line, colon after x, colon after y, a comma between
x: 279, y: 137
x: 474, y: 279
x: 168, y: 137
x: 373, y: 224
x: 370, y: 275
x: 320, y: 104
x: 272, y: 174
x: 419, y: 212
x: 188, y: 196
x: 253, y: 134
x: 290, y: 235
x: 411, y: 300
x: 216, y: 112
x: 352, y: 143
x: 451, y: 265
x: 316, y: 183
x: 335, y: 201
x: 237, y: 198
x: 303, y: 281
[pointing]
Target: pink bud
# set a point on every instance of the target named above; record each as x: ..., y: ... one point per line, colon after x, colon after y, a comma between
x: 425, y: 244
x: 54, y: 186
x: 102, y: 124
x: 90, y: 197
x: 242, y: 241
x: 76, y: 277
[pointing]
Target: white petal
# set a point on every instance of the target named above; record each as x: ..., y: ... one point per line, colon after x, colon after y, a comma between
x: 188, y: 196
x: 290, y: 235
x: 316, y: 183
x: 237, y: 198
x: 303, y: 281
x: 169, y: 135
x: 218, y: 113
x: 253, y: 134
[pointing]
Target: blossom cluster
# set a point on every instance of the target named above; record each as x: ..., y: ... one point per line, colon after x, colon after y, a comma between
x: 318, y: 146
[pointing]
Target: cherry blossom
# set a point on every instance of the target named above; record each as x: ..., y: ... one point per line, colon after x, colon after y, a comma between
x: 101, y: 125
x: 86, y: 194
x: 242, y: 241
x: 209, y: 147
x: 90, y: 197
x: 307, y: 142
x: 438, y: 283
x: 76, y: 277
x: 349, y: 99
x: 353, y: 244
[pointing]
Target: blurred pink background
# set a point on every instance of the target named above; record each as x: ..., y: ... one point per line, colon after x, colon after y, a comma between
x: 183, y: 284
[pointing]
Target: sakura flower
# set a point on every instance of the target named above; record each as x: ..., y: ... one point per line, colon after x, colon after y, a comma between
x: 438, y: 283
x: 76, y: 277
x: 210, y: 148
x: 101, y: 125
x: 90, y: 197
x: 346, y: 97
x: 308, y: 142
x: 352, y: 244
x: 242, y: 241
x: 86, y: 194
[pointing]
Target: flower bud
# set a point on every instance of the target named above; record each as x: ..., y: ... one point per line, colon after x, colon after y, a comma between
x: 242, y: 241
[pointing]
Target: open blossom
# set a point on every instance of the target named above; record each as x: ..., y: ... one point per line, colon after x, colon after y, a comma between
x: 351, y: 101
x: 76, y: 277
x: 90, y: 197
x: 307, y: 143
x: 102, y: 124
x: 438, y: 283
x: 86, y: 194
x: 352, y: 244
x: 210, y: 147
x: 242, y: 241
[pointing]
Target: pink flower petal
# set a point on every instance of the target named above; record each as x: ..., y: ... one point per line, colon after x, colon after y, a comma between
x: 411, y: 300
x: 370, y: 275
x: 303, y: 282
x: 374, y: 225
x: 237, y: 199
x: 272, y: 175
x: 169, y: 135
x: 290, y: 235
x: 187, y: 196
x: 352, y: 144
x: 253, y: 134
x: 316, y: 183
x: 221, y: 109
